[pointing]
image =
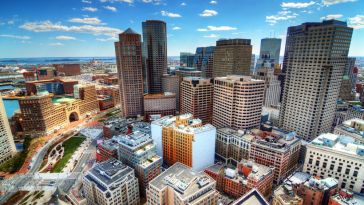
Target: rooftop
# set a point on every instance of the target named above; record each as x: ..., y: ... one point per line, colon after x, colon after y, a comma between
x: 239, y: 79
x: 159, y: 95
x: 353, y: 126
x: 275, y: 138
x: 64, y: 99
x: 242, y: 134
x: 134, y: 140
x: 340, y: 143
x: 348, y: 198
x: 182, y: 179
x: 251, y: 198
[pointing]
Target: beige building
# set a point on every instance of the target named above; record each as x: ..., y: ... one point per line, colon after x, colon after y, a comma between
x: 170, y: 83
x: 313, y: 66
x: 111, y: 182
x: 272, y: 91
x: 130, y: 73
x: 196, y: 98
x: 159, y: 105
x: 7, y: 146
x: 232, y: 57
x: 180, y: 185
x: 238, y: 102
x: 353, y: 128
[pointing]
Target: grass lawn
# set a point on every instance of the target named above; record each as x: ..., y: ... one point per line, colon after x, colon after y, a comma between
x: 70, y: 146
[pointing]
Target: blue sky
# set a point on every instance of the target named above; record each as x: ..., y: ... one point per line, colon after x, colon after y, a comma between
x: 52, y: 28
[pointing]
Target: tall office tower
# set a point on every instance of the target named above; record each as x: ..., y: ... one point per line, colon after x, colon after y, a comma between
x: 184, y: 139
x: 204, y: 60
x: 252, y: 65
x: 186, y: 59
x: 272, y: 89
x: 278, y: 149
x: 196, y: 98
x: 238, y: 102
x: 7, y: 146
x: 351, y: 71
x: 337, y: 156
x: 170, y: 83
x: 155, y: 45
x: 130, y: 70
x: 346, y: 91
x: 138, y: 151
x: 314, y: 62
x: 232, y: 57
x: 181, y: 185
x: 111, y: 182
x: 270, y: 49
x: 232, y: 145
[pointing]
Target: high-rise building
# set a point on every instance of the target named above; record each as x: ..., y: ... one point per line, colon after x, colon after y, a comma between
x: 184, y: 139
x: 313, y: 64
x: 138, y: 151
x: 155, y: 45
x: 340, y: 157
x: 252, y: 65
x: 269, y: 52
x: 170, y: 83
x: 351, y: 71
x: 239, y: 180
x: 232, y: 57
x: 186, y: 59
x: 238, y: 102
x: 179, y: 184
x: 204, y: 60
x: 7, y: 146
x: 272, y: 90
x: 130, y: 70
x: 111, y: 182
x: 159, y: 105
x: 233, y: 144
x: 277, y: 149
x: 196, y: 98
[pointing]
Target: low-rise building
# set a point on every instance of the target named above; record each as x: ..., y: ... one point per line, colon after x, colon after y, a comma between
x: 345, y: 197
x: 184, y: 139
x: 250, y: 198
x: 106, y: 150
x: 239, y: 180
x: 111, y: 182
x: 286, y: 193
x: 339, y: 157
x: 353, y: 128
x: 179, y: 184
x: 123, y: 126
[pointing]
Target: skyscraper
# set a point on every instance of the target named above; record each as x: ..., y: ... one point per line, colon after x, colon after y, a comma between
x: 238, y: 102
x: 130, y: 70
x: 232, y: 57
x: 196, y: 97
x: 186, y: 59
x: 155, y: 45
x: 314, y: 62
x: 269, y: 52
x: 272, y: 86
x: 7, y: 146
x: 204, y: 60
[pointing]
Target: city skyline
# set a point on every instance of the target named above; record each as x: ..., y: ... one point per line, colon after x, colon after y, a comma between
x: 89, y: 28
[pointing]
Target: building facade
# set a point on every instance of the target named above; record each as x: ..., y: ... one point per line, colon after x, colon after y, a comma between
x: 111, y: 182
x: 184, y: 139
x: 155, y: 46
x: 186, y: 59
x: 170, y: 84
x: 238, y: 102
x: 353, y: 128
x: 312, y: 83
x: 130, y: 70
x: 159, y: 105
x: 232, y: 57
x: 269, y: 52
x: 196, y: 98
x: 272, y: 90
x: 7, y: 145
x: 204, y: 60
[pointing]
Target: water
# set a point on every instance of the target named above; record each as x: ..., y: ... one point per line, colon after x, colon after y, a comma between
x: 6, y: 87
x: 10, y: 107
x: 54, y: 60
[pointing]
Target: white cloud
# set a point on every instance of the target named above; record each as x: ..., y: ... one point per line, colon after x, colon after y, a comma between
x: 357, y: 22
x: 183, y: 4
x: 86, y: 1
x: 169, y: 14
x: 91, y: 9
x: 281, y: 16
x: 11, y: 22
x: 155, y: 2
x: 87, y: 20
x: 48, y: 26
x: 331, y: 16
x: 297, y: 5
x: 176, y: 28
x: 65, y: 38
x: 213, y: 2
x: 208, y: 13
x: 107, y: 39
x: 56, y: 44
x: 332, y: 2
x: 15, y: 36
x: 110, y: 8
x: 121, y: 1
x: 211, y: 36
x: 216, y: 28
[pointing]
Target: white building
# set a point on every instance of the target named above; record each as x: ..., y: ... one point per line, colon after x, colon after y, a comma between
x: 339, y: 157
x: 353, y: 128
x: 184, y: 139
x: 7, y: 146
x: 111, y: 182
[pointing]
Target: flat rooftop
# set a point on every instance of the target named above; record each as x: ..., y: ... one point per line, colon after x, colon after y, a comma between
x: 251, y: 198
x: 239, y: 79
x: 356, y: 199
x: 134, y: 140
x: 182, y: 179
x: 236, y: 133
x: 65, y: 99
